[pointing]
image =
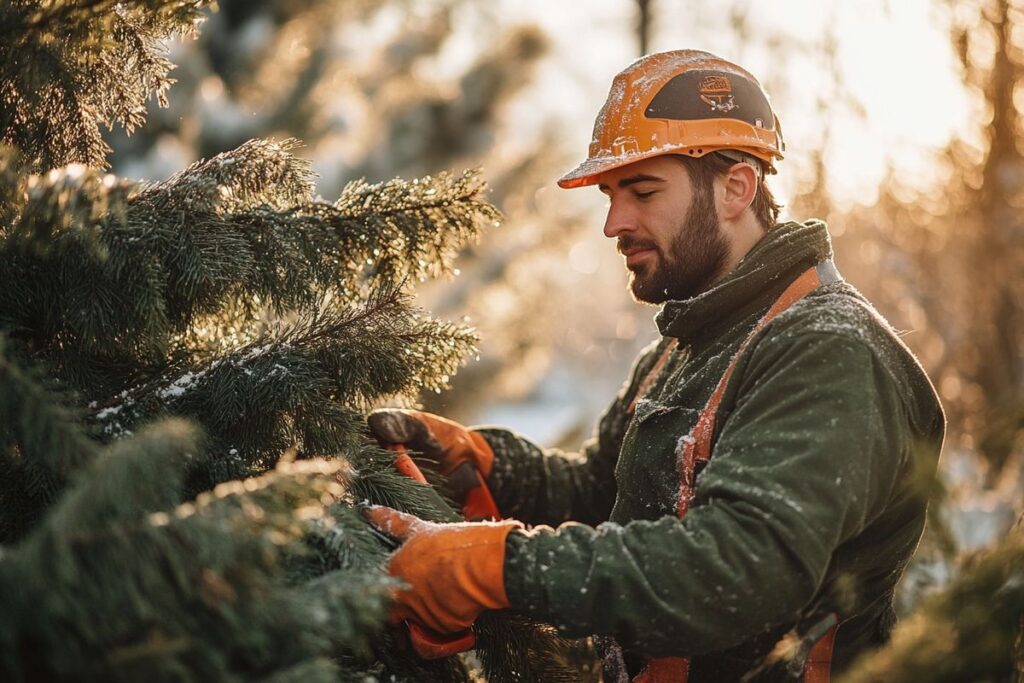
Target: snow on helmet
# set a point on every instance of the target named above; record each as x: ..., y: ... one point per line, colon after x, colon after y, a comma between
x: 680, y: 102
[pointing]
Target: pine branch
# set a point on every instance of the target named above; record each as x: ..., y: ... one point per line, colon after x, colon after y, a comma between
x: 306, y: 385
x: 43, y: 440
x: 383, y: 347
x: 396, y: 662
x: 965, y: 632
x: 11, y: 185
x: 133, y: 477
x: 416, y: 228
x: 67, y: 67
x: 46, y: 429
x: 106, y: 592
x: 376, y: 481
x: 507, y: 642
x: 66, y: 207
x: 346, y: 545
x: 259, y: 173
x: 54, y: 253
x: 124, y: 287
x: 77, y: 17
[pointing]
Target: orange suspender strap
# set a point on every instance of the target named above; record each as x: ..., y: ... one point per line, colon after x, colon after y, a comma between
x: 819, y: 661
x: 664, y: 670
x: 697, y: 448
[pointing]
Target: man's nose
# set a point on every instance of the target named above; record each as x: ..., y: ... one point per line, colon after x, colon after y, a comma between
x: 619, y: 220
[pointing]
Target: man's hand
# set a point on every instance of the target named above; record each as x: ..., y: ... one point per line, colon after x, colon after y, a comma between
x: 454, y: 571
x: 447, y: 443
x: 462, y: 455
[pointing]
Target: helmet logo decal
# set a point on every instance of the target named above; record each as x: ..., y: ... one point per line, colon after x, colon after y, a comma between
x: 716, y: 92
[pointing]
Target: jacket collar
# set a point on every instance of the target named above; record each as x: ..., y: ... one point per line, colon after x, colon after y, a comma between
x: 781, y: 256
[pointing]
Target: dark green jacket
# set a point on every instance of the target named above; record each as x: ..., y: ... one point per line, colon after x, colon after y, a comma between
x: 810, y: 503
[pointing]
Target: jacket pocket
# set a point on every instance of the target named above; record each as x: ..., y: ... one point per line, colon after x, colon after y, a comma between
x: 647, y: 409
x: 647, y: 472
x: 669, y: 420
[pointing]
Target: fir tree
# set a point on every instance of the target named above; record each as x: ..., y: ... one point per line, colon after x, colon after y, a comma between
x: 184, y: 371
x: 972, y: 630
x: 285, y: 68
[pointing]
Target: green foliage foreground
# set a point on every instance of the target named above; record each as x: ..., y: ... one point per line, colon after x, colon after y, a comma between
x: 184, y: 372
x: 973, y: 630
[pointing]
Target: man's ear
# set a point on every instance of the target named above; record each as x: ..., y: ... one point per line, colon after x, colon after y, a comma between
x: 737, y: 190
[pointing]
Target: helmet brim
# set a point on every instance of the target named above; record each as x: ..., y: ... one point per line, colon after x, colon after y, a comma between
x: 587, y: 173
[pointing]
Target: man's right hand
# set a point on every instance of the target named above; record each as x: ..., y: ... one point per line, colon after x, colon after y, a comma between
x: 443, y: 441
x: 453, y: 572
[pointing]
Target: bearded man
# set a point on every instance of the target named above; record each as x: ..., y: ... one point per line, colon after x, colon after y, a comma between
x: 755, y: 477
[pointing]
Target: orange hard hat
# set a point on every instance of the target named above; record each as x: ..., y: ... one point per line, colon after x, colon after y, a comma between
x: 680, y: 102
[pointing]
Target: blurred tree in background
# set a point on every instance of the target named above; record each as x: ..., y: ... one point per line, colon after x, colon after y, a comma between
x: 945, y: 261
x: 184, y: 370
x: 955, y: 252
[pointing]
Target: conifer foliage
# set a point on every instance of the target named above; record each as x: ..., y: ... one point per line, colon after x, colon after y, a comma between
x: 66, y: 67
x: 184, y: 372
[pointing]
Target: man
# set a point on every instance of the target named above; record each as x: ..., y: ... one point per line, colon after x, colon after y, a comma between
x: 756, y: 477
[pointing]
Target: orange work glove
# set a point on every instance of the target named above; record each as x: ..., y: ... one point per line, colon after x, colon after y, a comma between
x: 447, y: 443
x: 454, y: 571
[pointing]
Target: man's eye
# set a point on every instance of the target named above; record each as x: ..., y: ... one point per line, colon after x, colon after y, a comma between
x: 645, y: 195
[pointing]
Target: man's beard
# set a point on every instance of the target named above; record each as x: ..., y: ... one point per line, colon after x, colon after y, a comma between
x: 696, y: 255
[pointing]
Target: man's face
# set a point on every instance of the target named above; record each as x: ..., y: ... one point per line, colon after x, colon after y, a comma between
x: 667, y: 229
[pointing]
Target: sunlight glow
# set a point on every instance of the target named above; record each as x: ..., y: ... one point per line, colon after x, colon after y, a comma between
x: 898, y: 94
